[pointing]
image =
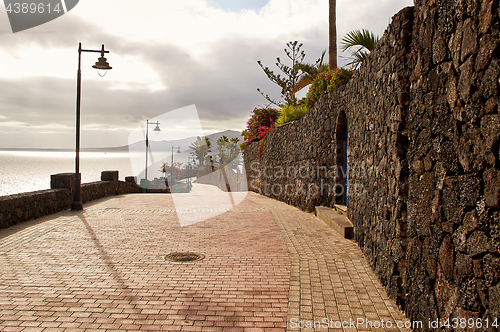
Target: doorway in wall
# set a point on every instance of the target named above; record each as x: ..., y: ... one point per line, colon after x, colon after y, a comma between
x: 342, y: 136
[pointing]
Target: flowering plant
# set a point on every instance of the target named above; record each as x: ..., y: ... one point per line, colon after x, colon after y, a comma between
x: 261, y: 121
x: 263, y: 131
x: 327, y: 82
x: 176, y: 169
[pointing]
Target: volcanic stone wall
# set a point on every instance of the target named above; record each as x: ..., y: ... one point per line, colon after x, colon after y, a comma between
x: 421, y: 117
x: 298, y: 160
x: 453, y: 251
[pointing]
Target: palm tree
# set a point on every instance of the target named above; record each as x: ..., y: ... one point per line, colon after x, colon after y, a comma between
x: 201, y: 147
x: 309, y: 73
x: 332, y: 35
x: 363, y: 41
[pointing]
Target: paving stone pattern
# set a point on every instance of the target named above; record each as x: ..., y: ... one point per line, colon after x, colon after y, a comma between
x: 104, y: 269
x: 329, y: 275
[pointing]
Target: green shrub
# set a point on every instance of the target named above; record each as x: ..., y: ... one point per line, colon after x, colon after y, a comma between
x: 327, y: 82
x: 291, y: 113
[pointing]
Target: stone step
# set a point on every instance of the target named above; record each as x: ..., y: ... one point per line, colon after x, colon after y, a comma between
x: 339, y: 222
x: 342, y: 209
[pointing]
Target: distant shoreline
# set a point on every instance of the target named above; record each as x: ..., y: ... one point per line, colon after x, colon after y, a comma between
x: 116, y: 149
x: 184, y: 143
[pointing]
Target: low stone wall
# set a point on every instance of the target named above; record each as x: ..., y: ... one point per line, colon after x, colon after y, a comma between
x: 15, y: 209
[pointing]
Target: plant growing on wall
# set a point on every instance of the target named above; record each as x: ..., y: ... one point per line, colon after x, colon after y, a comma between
x: 327, y: 82
x: 290, y: 113
x: 360, y: 43
x: 291, y: 76
x: 261, y: 119
x: 309, y: 73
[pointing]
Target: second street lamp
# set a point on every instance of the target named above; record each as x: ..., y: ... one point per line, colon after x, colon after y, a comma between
x: 157, y: 131
x: 101, y: 64
x: 172, y: 165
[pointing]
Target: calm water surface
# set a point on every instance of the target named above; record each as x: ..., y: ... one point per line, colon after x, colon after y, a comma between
x: 24, y: 171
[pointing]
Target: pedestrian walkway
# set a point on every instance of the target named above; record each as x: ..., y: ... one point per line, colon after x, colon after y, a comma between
x: 267, y: 267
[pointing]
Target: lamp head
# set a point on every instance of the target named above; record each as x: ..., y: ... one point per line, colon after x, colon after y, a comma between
x: 102, y: 64
x: 178, y: 149
x: 157, y: 128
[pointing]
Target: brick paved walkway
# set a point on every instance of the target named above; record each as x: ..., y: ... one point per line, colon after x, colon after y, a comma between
x: 268, y: 266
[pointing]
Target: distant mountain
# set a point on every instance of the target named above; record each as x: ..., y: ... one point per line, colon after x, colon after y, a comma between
x: 167, y: 145
x: 228, y: 133
x: 140, y: 146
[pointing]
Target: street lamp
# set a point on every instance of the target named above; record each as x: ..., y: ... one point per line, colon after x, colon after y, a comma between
x: 189, y: 170
x: 157, y: 131
x: 101, y: 64
x: 172, y: 165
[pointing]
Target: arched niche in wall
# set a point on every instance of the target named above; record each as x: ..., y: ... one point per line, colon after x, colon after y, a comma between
x: 342, y: 140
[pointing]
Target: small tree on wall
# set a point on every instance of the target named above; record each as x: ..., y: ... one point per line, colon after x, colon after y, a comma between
x: 291, y: 76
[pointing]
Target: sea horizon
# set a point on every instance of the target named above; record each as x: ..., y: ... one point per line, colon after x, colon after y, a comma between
x: 30, y: 170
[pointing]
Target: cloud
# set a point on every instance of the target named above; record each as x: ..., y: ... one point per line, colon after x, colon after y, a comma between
x: 165, y: 55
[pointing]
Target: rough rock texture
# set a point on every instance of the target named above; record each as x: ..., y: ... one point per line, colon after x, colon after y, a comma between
x: 18, y: 208
x: 298, y: 160
x: 453, y: 119
x: 422, y: 157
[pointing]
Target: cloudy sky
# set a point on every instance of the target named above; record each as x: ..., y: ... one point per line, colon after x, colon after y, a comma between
x: 165, y: 54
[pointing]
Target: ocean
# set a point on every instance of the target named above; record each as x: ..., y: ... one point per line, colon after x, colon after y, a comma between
x: 25, y: 171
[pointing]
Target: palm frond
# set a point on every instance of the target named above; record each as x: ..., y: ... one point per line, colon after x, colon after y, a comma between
x: 305, y: 81
x: 363, y: 38
x: 358, y: 57
x: 309, y: 72
x: 307, y: 69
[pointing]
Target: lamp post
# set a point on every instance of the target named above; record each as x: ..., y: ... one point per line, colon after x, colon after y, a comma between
x: 102, y: 64
x: 189, y: 170
x: 172, y: 165
x: 188, y: 166
x: 157, y: 131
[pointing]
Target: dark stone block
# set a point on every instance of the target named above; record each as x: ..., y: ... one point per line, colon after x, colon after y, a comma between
x: 489, y: 83
x: 453, y: 209
x: 62, y: 180
x: 478, y: 244
x: 491, y: 270
x: 490, y: 129
x: 446, y: 255
x: 470, y: 185
x: 469, y: 39
x: 109, y: 176
x: 465, y: 82
x: 492, y: 187
x: 131, y: 179
x: 487, y: 46
x: 463, y: 269
x: 469, y: 295
x: 494, y: 295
